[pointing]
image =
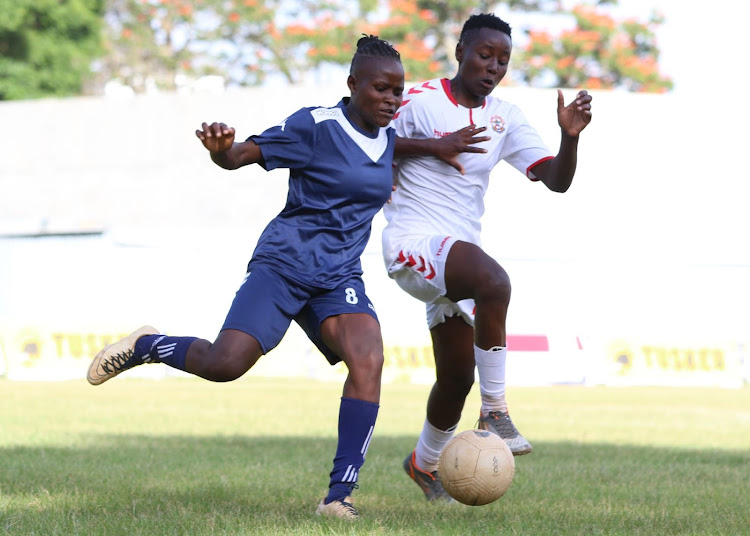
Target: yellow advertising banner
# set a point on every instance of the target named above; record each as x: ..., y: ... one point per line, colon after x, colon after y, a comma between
x: 628, y: 361
x: 34, y: 353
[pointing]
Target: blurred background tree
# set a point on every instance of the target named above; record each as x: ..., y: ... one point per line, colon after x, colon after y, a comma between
x: 161, y: 44
x: 598, y: 52
x: 47, y: 46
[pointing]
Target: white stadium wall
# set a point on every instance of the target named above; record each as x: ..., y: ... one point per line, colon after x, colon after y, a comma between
x: 113, y: 216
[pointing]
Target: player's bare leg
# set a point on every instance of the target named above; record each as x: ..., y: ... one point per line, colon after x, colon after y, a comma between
x: 357, y: 339
x: 452, y: 342
x: 229, y: 357
x: 471, y: 273
x: 453, y: 347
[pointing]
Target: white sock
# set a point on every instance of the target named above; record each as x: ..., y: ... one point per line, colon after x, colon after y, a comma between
x: 430, y: 445
x: 491, y: 369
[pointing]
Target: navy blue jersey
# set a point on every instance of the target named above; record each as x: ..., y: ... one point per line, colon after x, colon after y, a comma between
x: 339, y: 178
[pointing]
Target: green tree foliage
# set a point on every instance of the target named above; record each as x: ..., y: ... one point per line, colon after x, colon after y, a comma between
x: 46, y: 46
x: 246, y: 41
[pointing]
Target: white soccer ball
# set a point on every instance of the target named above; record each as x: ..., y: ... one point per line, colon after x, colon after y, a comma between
x: 476, y: 467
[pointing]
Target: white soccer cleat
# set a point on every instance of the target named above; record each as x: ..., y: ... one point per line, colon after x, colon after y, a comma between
x: 341, y: 509
x: 499, y: 423
x: 117, y: 357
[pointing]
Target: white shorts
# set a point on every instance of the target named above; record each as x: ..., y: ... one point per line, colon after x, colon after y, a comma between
x: 417, y: 264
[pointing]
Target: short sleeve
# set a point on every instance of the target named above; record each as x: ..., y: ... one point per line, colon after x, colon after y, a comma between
x: 405, y: 122
x: 523, y: 147
x: 290, y: 144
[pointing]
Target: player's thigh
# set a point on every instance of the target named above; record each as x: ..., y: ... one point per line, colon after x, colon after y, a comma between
x: 470, y: 272
x: 342, y: 322
x: 453, y: 346
x: 355, y: 337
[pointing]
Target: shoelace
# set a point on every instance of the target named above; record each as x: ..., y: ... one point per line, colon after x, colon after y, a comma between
x: 349, y: 507
x: 502, y: 423
x: 118, y: 362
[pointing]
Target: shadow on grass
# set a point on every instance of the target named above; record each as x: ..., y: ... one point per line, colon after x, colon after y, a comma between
x: 134, y: 484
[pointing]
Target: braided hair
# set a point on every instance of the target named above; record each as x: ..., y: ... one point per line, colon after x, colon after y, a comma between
x: 370, y: 46
x: 484, y: 20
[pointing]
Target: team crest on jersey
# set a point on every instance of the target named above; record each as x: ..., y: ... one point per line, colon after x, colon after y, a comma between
x: 498, y: 123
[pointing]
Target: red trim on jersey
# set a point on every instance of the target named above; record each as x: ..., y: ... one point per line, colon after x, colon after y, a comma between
x: 528, y: 169
x: 527, y: 343
x: 419, y: 88
x: 412, y: 91
x: 447, y: 88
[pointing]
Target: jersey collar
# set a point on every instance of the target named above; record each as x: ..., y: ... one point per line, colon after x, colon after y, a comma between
x: 447, y: 88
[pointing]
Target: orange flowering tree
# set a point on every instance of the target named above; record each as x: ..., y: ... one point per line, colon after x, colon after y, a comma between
x: 598, y: 52
x: 247, y: 41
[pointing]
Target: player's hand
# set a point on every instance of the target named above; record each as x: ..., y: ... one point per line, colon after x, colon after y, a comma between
x: 394, y: 175
x: 461, y: 141
x: 574, y: 117
x: 216, y: 137
x: 393, y: 189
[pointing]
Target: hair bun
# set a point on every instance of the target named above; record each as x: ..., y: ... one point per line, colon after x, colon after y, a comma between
x: 365, y: 39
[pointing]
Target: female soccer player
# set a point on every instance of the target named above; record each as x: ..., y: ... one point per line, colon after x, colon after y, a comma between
x: 306, y: 266
x: 431, y: 243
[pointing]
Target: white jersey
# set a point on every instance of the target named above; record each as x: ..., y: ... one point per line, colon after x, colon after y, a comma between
x: 432, y: 197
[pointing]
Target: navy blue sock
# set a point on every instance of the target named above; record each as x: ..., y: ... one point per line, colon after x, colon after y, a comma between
x: 356, y: 424
x: 163, y: 349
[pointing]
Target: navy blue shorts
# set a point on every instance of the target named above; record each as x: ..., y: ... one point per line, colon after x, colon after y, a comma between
x: 267, y: 302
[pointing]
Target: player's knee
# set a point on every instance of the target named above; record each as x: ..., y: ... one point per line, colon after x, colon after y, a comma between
x: 228, y: 367
x: 495, y: 287
x: 365, y: 365
x: 368, y: 364
x: 456, y: 385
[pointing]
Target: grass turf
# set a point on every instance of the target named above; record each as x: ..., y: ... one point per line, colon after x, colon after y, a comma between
x: 184, y: 456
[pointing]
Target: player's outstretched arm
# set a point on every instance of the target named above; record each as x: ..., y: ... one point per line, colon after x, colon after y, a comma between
x: 557, y: 174
x: 218, y: 138
x: 447, y: 148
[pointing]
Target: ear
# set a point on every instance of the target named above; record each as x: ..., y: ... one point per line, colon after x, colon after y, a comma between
x: 459, y: 52
x: 352, y: 83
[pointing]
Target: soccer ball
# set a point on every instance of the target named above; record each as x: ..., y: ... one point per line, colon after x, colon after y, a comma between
x: 476, y: 467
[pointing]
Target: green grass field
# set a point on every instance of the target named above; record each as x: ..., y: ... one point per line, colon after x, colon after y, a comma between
x: 188, y: 457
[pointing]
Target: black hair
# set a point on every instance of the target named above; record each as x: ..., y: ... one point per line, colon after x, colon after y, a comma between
x: 484, y: 20
x: 371, y: 46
